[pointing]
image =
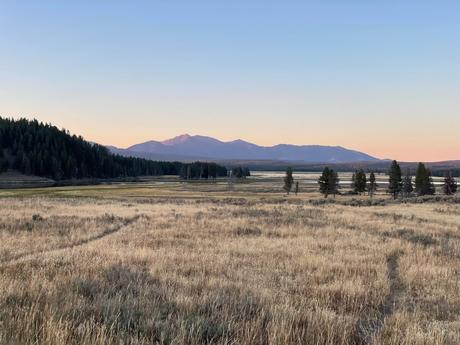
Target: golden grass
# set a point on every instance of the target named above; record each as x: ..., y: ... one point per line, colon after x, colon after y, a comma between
x: 213, y: 270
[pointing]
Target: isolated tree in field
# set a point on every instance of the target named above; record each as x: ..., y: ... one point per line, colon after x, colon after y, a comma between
x: 395, y: 179
x: 407, y: 187
x: 288, y: 181
x: 323, y: 182
x: 372, y: 187
x: 296, y: 188
x: 359, y: 182
x: 334, y: 182
x: 423, y: 181
x: 450, y: 185
x: 328, y: 182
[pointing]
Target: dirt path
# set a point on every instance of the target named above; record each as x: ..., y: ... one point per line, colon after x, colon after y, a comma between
x: 80, y: 243
x: 366, y: 328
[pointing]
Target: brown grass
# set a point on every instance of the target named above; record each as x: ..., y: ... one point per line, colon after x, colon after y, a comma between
x: 227, y: 271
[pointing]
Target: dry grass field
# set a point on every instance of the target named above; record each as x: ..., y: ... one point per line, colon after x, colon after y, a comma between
x: 203, y: 263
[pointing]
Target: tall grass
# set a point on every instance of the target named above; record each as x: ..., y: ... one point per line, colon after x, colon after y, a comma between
x: 177, y: 271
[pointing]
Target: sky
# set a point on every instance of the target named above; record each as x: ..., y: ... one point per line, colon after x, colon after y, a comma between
x: 381, y: 77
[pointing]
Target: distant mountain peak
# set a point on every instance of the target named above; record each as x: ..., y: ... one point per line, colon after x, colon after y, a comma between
x: 177, y: 140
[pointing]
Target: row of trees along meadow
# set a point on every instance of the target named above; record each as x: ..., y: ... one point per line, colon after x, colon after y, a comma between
x: 35, y: 148
x: 200, y: 170
x: 398, y: 185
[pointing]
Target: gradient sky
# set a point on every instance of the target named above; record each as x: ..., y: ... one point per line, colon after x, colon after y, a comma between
x: 377, y: 76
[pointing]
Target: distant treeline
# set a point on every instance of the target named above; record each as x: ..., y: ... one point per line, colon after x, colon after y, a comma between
x: 443, y: 172
x: 35, y: 148
x: 240, y: 172
x: 200, y: 170
x: 437, y: 169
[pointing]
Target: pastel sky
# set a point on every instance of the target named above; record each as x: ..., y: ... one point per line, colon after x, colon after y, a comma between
x: 377, y: 76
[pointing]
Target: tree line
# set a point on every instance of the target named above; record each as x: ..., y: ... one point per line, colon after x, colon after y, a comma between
x: 35, y: 148
x: 200, y: 170
x: 398, y: 185
x: 240, y: 172
x: 423, y: 185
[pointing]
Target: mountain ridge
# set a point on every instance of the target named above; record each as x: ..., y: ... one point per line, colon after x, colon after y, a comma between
x: 190, y: 147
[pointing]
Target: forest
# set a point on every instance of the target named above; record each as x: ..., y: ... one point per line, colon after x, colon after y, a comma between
x: 34, y: 148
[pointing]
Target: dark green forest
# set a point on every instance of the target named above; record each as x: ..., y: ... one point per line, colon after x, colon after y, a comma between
x: 35, y: 148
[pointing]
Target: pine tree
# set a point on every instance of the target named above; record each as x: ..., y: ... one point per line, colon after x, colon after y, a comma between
x: 420, y: 179
x: 407, y: 187
x: 450, y: 185
x: 323, y: 182
x: 288, y: 181
x: 430, y: 187
x: 353, y: 183
x: 423, y: 181
x: 333, y: 183
x: 395, y: 179
x: 328, y: 182
x: 372, y: 188
x: 359, y: 182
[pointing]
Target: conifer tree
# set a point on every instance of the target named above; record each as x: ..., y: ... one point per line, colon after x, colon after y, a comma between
x: 395, y: 179
x: 450, y: 185
x: 328, y: 182
x: 288, y: 181
x: 420, y: 179
x: 407, y: 187
x: 372, y: 187
x: 423, y: 181
x: 360, y: 181
x: 333, y: 182
x: 323, y: 182
x: 353, y: 183
x: 431, y: 188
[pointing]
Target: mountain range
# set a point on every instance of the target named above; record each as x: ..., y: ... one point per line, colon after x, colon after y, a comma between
x: 196, y: 147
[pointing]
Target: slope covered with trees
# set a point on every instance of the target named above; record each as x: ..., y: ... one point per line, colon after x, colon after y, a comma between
x: 35, y: 148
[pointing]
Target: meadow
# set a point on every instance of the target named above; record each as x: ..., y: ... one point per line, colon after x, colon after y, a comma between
x: 162, y: 261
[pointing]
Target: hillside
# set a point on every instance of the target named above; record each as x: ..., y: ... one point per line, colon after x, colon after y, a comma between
x: 187, y: 147
x: 35, y: 148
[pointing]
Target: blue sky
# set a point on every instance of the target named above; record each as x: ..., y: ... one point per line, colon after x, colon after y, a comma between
x: 377, y: 76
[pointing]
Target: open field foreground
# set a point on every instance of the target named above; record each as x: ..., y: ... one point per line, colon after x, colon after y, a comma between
x: 78, y: 268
